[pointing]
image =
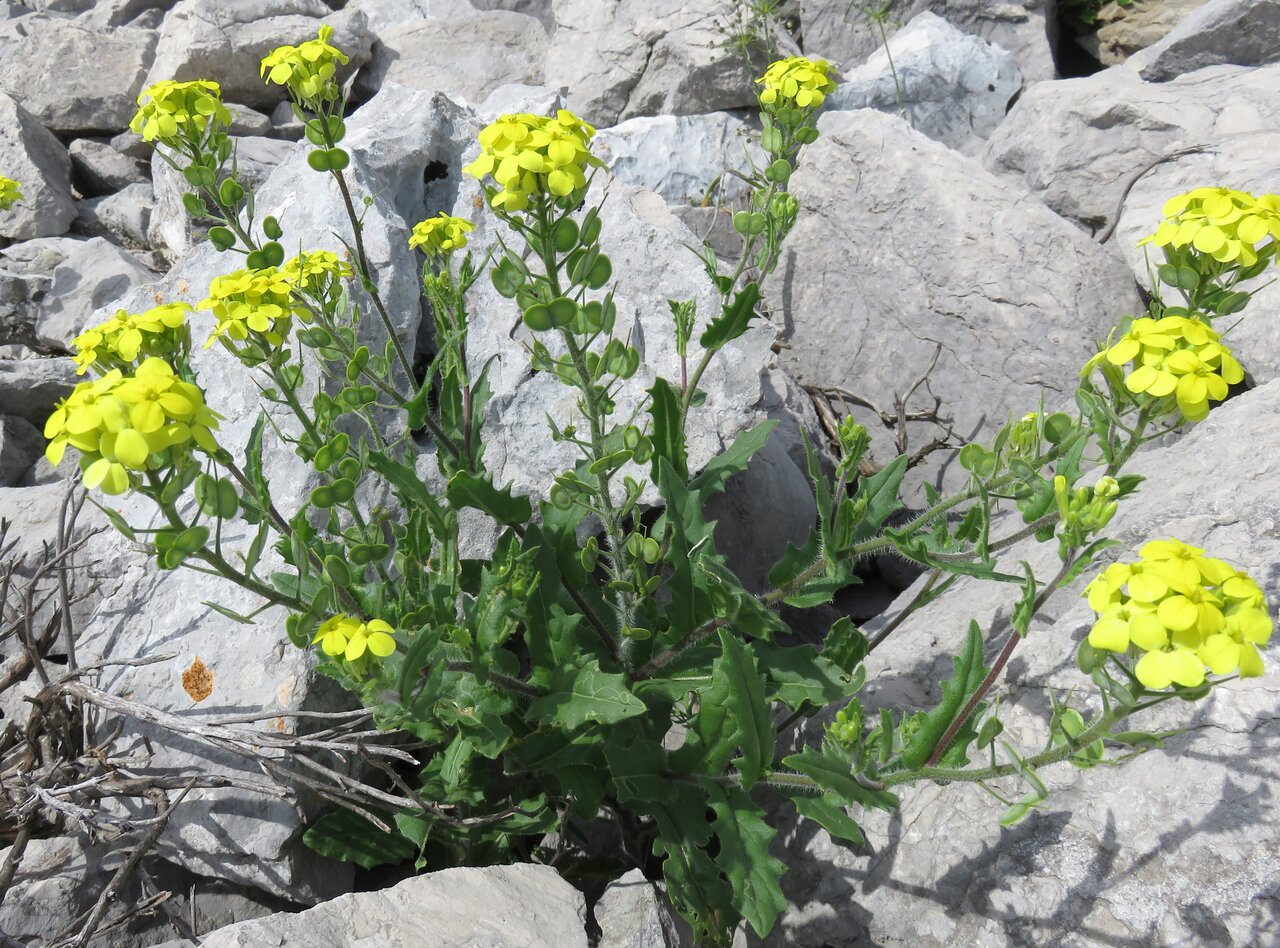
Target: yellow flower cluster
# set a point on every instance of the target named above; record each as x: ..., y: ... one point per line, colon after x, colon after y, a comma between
x: 314, y: 271
x: 1224, y: 224
x: 797, y: 81
x: 252, y: 301
x: 439, y: 236
x: 1178, y: 356
x: 119, y: 340
x: 171, y: 111
x: 120, y: 424
x: 529, y: 155
x: 10, y: 193
x: 307, y: 69
x: 1185, y: 611
x: 349, y: 637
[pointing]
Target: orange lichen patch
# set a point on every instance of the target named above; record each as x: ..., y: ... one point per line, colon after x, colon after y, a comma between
x: 278, y: 724
x: 197, y: 681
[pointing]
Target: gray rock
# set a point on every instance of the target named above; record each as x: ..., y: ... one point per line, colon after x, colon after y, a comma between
x: 540, y: 10
x: 386, y: 15
x: 127, y: 143
x: 123, y: 217
x: 31, y: 387
x: 634, y: 913
x: 20, y: 444
x: 32, y: 156
x: 955, y: 87
x: 225, y: 41
x: 35, y: 53
x: 26, y: 273
x: 110, y: 13
x: 518, y: 97
x: 1123, y: 31
x: 681, y: 157
x: 171, y: 230
x: 903, y: 246
x: 1178, y: 847
x: 645, y: 57
x: 464, y: 56
x: 522, y: 906
x: 712, y: 226
x: 1078, y: 142
x: 100, y: 169
x: 1233, y: 32
x: 284, y: 124
x: 247, y: 121
x: 842, y: 32
x: 1244, y: 162
x: 95, y: 274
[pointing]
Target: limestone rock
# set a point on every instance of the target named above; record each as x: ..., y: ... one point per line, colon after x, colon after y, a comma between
x: 521, y: 906
x: 225, y: 41
x: 21, y: 443
x: 956, y: 86
x: 109, y: 13
x: 387, y: 15
x: 123, y: 217
x: 1124, y: 30
x: 95, y: 274
x: 32, y: 156
x: 1233, y: 32
x: 1076, y: 143
x: 26, y: 273
x: 35, y: 53
x: 835, y: 30
x: 540, y: 10
x: 903, y: 246
x: 634, y: 913
x: 30, y: 387
x: 100, y: 169
x: 1177, y: 847
x: 681, y: 156
x: 645, y: 57
x: 248, y: 122
x: 465, y: 56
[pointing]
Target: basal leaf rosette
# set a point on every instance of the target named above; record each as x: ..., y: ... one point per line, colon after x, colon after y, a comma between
x: 797, y: 82
x: 1183, y: 613
x: 1178, y: 358
x: 126, y: 424
x: 254, y: 305
x: 178, y: 113
x: 533, y: 155
x: 441, y: 235
x: 1232, y: 227
x: 307, y: 69
x: 121, y: 339
x: 352, y: 638
x: 10, y: 193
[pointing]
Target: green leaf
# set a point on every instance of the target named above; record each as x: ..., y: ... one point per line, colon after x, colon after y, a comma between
x: 956, y: 691
x: 733, y: 461
x: 828, y: 813
x: 587, y: 694
x: 344, y: 835
x: 880, y: 492
x: 668, y: 432
x: 409, y: 486
x: 639, y: 772
x: 800, y: 675
x: 738, y: 687
x: 834, y: 774
x: 733, y: 320
x: 470, y: 490
x: 845, y: 645
x: 753, y: 874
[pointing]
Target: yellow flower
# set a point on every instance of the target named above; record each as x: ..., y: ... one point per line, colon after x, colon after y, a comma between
x: 315, y: 273
x: 439, y: 236
x: 119, y: 339
x: 307, y: 69
x: 10, y: 193
x: 799, y: 82
x: 174, y: 112
x: 1184, y: 611
x: 528, y: 155
x: 257, y: 302
x: 1221, y: 223
x: 349, y: 637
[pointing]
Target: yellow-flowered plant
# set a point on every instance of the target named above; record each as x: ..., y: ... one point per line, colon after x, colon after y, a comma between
x: 534, y: 154
x: 441, y: 235
x: 1176, y: 356
x: 315, y: 273
x: 256, y: 303
x: 1184, y: 612
x: 351, y: 638
x: 120, y: 339
x: 797, y: 82
x: 123, y: 425
x: 179, y: 113
x: 1229, y: 226
x: 10, y: 193
x: 307, y: 69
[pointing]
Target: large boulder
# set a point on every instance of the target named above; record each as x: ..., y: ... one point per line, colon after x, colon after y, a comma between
x: 842, y: 32
x: 1078, y: 143
x: 95, y: 274
x: 226, y: 41
x: 1181, y: 846
x: 26, y: 273
x: 623, y: 58
x: 38, y: 55
x: 123, y: 217
x: 522, y: 906
x: 466, y: 56
x: 541, y: 10
x: 1232, y: 32
x: 31, y: 387
x: 952, y: 86
x: 21, y: 443
x: 100, y: 169
x: 31, y: 155
x: 1125, y: 30
x: 904, y: 246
